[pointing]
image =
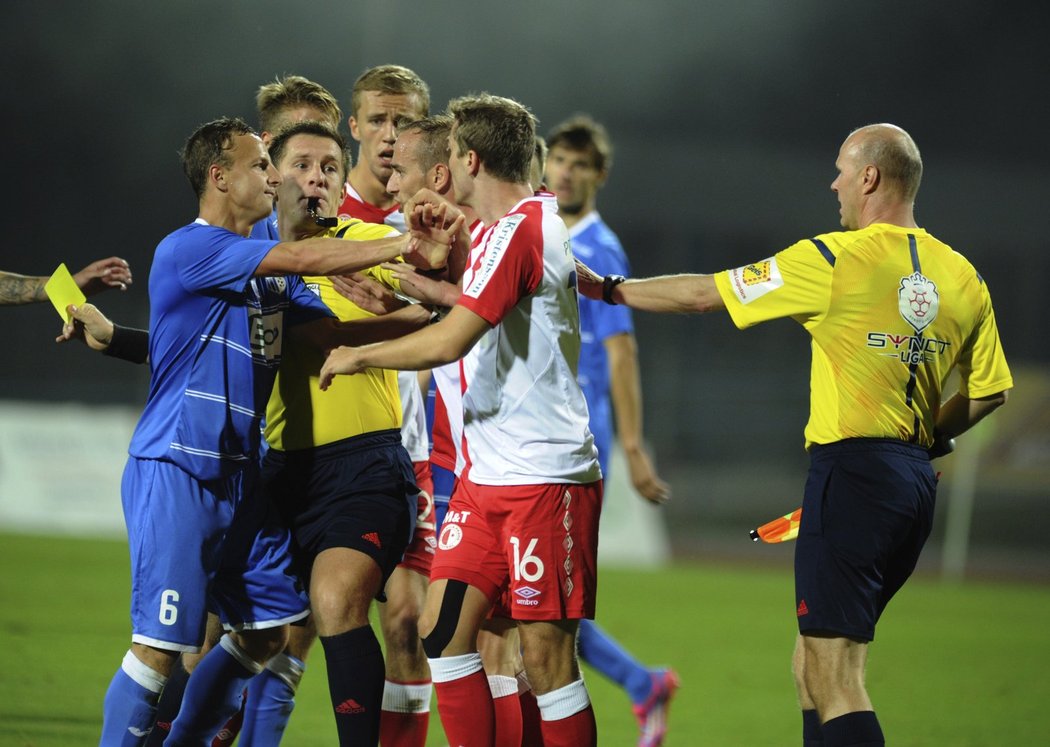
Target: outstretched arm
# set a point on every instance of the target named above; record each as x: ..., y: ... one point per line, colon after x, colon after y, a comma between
x: 92, y: 327
x: 326, y: 334
x: 103, y: 274
x: 669, y: 294
x: 96, y: 277
x: 18, y: 289
x: 426, y: 247
x: 435, y: 345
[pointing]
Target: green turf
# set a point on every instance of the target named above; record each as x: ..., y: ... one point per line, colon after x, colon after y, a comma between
x: 953, y: 665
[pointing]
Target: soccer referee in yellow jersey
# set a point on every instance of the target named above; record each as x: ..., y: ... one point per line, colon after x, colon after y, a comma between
x: 891, y: 312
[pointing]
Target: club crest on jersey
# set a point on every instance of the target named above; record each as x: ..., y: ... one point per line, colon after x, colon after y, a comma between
x: 755, y: 280
x: 918, y: 301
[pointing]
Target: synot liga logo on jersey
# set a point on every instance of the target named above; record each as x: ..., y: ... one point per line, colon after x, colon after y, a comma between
x: 918, y: 301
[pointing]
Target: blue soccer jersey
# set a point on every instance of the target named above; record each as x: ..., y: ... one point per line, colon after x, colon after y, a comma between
x: 215, y: 345
x: 596, y: 246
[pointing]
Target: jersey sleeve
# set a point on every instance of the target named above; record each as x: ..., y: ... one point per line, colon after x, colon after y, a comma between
x: 510, y: 268
x: 305, y: 305
x: 983, y: 370
x: 795, y: 282
x: 219, y: 261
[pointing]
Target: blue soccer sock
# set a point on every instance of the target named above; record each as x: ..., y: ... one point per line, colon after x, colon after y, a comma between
x: 213, y: 693
x: 130, y: 704
x: 857, y: 729
x: 169, y: 704
x: 603, y: 653
x: 271, y: 699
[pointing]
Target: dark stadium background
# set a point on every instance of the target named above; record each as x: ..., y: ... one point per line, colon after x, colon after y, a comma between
x: 726, y: 119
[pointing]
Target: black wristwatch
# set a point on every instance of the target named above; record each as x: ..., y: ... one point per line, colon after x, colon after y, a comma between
x: 610, y: 282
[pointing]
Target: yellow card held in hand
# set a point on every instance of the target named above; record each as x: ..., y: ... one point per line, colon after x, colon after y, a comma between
x: 62, y: 289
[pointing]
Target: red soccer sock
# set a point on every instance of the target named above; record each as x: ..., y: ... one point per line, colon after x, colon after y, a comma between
x: 531, y: 730
x: 464, y: 700
x: 507, y: 709
x: 568, y: 718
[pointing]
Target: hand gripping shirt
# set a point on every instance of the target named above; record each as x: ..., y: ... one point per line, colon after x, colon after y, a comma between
x: 301, y: 416
x: 891, y: 311
x: 216, y: 338
x: 524, y: 416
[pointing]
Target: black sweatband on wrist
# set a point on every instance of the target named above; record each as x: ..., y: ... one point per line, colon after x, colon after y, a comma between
x: 608, y: 283
x: 128, y: 344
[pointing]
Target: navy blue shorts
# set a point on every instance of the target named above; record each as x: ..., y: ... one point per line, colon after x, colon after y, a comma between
x: 358, y: 493
x: 867, y: 511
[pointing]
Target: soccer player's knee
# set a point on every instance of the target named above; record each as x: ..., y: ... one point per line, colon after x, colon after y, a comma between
x: 262, y: 645
x: 441, y: 631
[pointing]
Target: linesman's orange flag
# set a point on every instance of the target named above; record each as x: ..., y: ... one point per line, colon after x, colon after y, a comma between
x: 779, y: 530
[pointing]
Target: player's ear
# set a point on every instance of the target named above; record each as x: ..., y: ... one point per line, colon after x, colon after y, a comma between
x: 440, y: 178
x: 217, y: 176
x: 871, y: 177
x: 473, y: 163
x: 351, y: 123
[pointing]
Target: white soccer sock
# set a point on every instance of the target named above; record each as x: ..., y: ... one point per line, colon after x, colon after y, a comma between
x: 399, y: 697
x: 142, y: 674
x: 502, y: 686
x: 448, y: 668
x: 564, y: 702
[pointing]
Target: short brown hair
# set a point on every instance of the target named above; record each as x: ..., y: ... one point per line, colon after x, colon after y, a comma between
x: 393, y: 79
x: 274, y: 99
x: 500, y: 130
x: 210, y: 144
x: 320, y: 129
x: 581, y: 132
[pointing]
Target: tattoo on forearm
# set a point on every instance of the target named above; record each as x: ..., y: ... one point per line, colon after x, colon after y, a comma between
x: 18, y: 289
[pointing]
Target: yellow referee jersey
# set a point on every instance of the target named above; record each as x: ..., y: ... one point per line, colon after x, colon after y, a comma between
x: 299, y: 415
x: 891, y: 311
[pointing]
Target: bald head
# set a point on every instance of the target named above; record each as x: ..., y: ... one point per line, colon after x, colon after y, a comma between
x: 892, y: 151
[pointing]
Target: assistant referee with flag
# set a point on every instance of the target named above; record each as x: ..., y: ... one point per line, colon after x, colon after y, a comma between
x: 891, y: 312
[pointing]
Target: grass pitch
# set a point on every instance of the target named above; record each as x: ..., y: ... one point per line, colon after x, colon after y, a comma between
x: 961, y: 665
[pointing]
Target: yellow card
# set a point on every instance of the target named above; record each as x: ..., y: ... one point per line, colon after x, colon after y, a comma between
x: 62, y: 289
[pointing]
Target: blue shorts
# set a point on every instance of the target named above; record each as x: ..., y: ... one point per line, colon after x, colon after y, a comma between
x: 866, y: 514
x: 358, y: 493
x: 199, y: 546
